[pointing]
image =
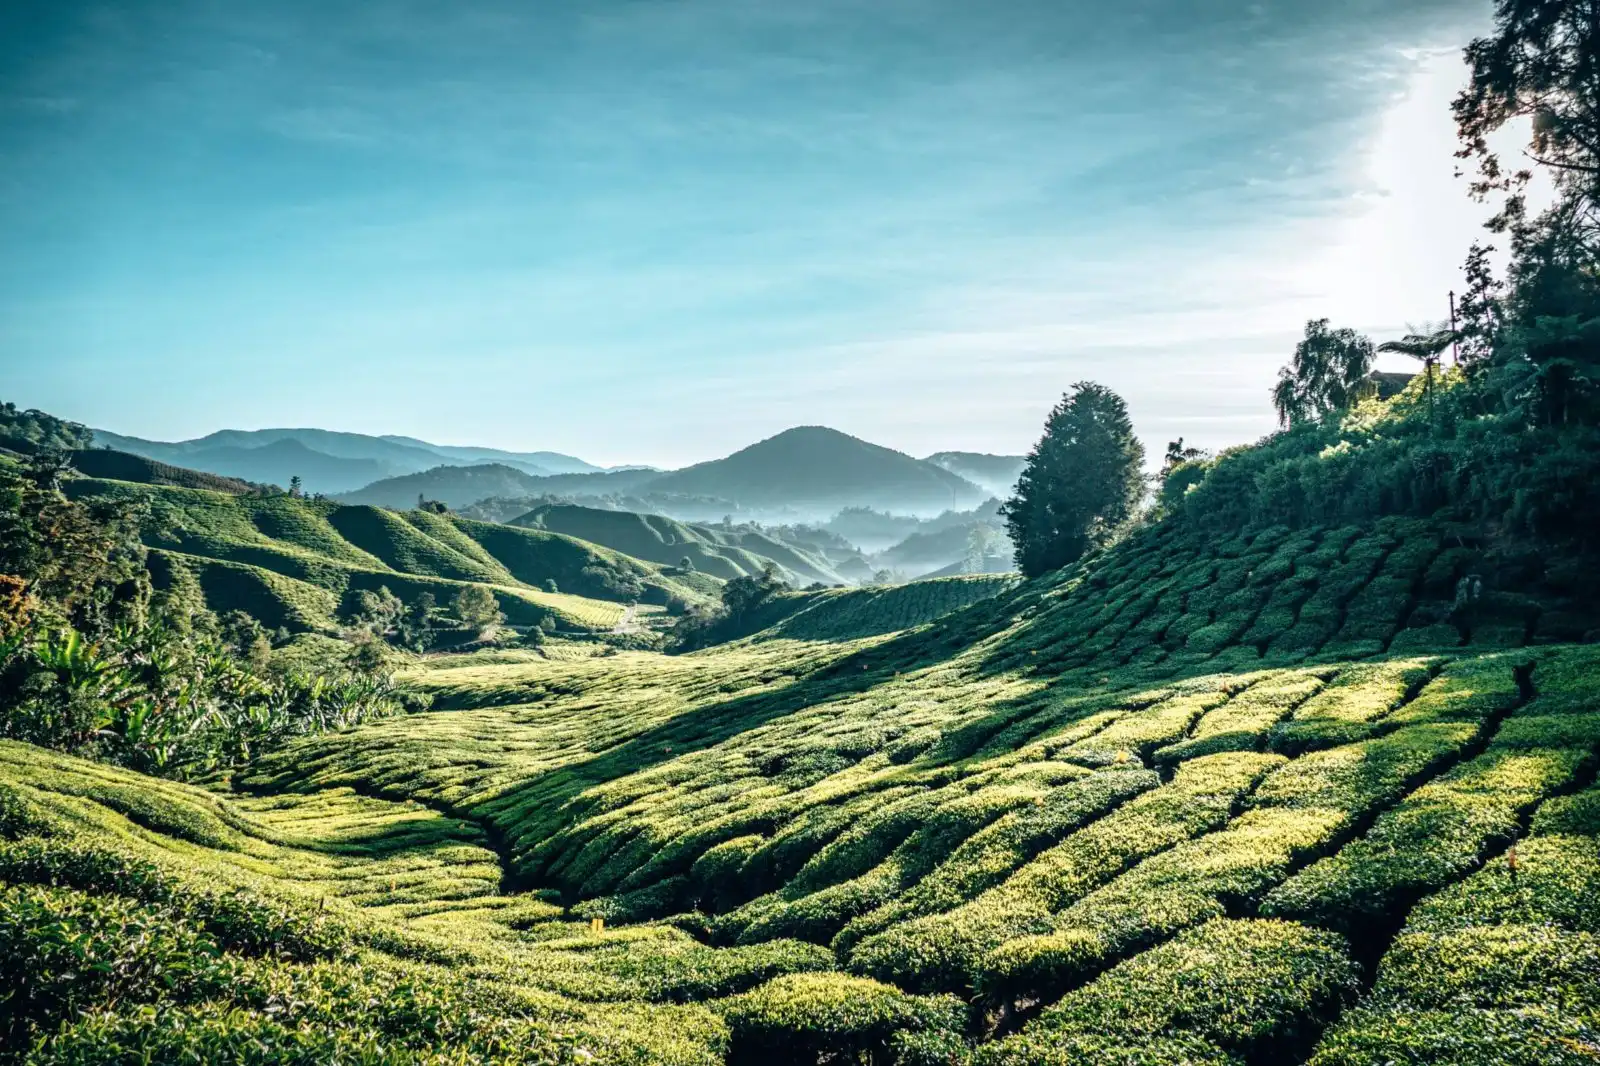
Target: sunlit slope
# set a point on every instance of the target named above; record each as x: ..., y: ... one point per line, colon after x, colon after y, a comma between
x: 1196, y: 801
x: 152, y: 922
x: 1238, y: 761
x: 845, y: 614
x: 291, y: 561
x: 659, y: 539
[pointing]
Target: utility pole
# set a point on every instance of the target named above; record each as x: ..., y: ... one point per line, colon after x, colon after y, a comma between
x: 1455, y: 345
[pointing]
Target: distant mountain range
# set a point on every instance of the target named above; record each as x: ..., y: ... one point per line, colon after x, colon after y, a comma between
x: 808, y: 473
x: 816, y: 470
x: 327, y: 461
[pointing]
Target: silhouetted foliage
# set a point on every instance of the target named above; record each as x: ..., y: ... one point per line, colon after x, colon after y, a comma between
x: 1325, y: 375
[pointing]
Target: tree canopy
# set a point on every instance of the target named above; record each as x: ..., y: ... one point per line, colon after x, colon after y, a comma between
x: 1325, y: 375
x: 1082, y: 481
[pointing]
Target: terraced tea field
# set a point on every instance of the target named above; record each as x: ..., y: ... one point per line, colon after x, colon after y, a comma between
x: 289, y: 562
x: 1294, y: 797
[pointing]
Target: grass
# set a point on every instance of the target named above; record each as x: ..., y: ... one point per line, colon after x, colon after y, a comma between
x: 1234, y: 801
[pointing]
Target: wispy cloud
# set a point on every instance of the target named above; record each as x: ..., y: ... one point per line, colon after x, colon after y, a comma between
x: 916, y: 217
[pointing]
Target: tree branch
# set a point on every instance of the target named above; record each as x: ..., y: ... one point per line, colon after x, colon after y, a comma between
x: 1580, y: 167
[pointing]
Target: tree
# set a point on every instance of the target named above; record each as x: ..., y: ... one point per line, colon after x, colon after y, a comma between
x: 247, y: 638
x: 477, y: 608
x: 1180, y: 469
x: 1540, y: 63
x: 379, y: 613
x: 982, y: 541
x: 296, y: 486
x: 749, y: 591
x: 81, y: 561
x: 415, y: 630
x: 1325, y: 375
x: 1177, y: 455
x: 1426, y: 345
x: 1082, y: 481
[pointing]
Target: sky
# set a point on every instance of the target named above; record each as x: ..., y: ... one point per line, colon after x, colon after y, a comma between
x: 654, y: 231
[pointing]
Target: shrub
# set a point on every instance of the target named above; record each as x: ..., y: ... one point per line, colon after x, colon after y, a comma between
x: 697, y: 973
x: 1436, y: 835
x: 942, y: 952
x: 1531, y: 1036
x: 1260, y: 989
x: 66, y: 951
x: 803, y: 1017
x: 241, y: 921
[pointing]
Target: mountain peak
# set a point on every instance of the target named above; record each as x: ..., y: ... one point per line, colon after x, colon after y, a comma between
x: 819, y: 469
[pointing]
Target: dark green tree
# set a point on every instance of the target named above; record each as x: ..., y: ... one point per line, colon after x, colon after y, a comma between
x: 477, y: 608
x: 376, y: 612
x: 1326, y: 374
x: 82, y: 561
x: 415, y: 630
x: 296, y: 486
x: 1083, y: 480
x: 1542, y: 62
x: 745, y: 593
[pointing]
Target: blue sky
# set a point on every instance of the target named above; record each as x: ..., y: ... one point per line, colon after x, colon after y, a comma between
x: 656, y: 230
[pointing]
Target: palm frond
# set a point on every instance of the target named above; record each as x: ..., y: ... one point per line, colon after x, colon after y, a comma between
x: 1424, y: 346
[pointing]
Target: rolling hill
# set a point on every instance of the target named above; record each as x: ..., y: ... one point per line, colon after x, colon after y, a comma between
x: 125, y: 466
x: 997, y: 474
x: 817, y: 471
x: 1251, y: 785
x: 725, y: 554
x: 952, y: 546
x: 274, y: 463
x: 1303, y: 777
x: 327, y: 461
x: 461, y: 486
x: 291, y: 562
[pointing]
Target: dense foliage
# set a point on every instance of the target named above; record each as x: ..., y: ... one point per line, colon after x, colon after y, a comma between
x: 34, y: 431
x: 1082, y: 481
x: 1302, y: 769
x: 92, y: 662
x: 1326, y: 374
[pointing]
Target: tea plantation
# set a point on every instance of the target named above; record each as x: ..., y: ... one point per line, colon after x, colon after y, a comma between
x: 290, y: 561
x: 1299, y: 796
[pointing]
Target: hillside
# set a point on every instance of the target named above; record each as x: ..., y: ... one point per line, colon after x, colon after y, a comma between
x: 461, y: 486
x: 125, y: 466
x: 454, y: 486
x: 997, y: 474
x: 922, y: 553
x: 815, y: 470
x: 327, y: 461
x: 663, y: 540
x: 276, y: 463
x: 293, y: 562
x: 1263, y: 785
